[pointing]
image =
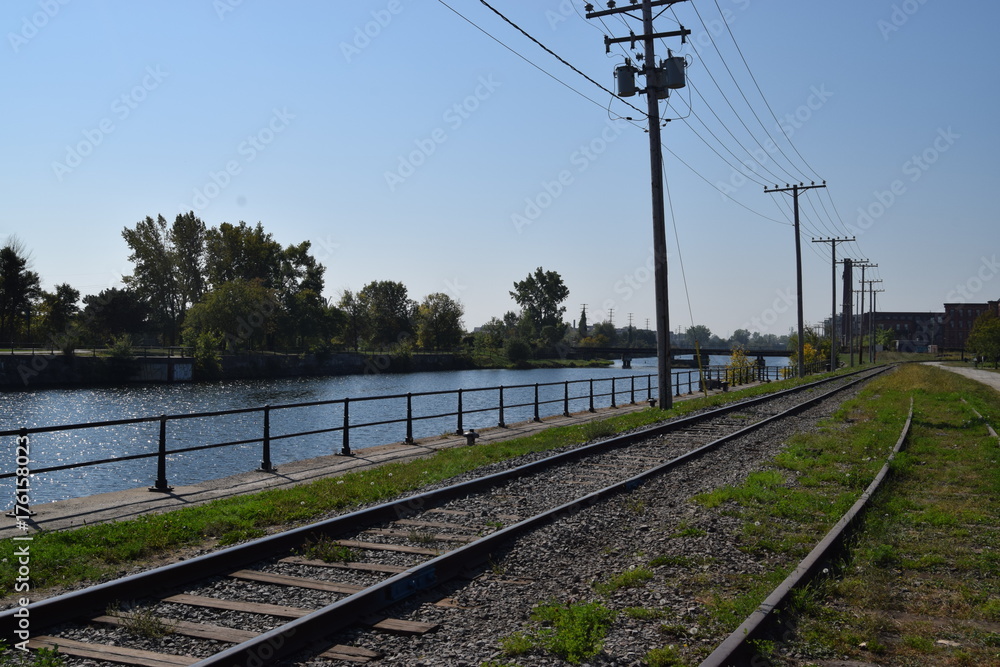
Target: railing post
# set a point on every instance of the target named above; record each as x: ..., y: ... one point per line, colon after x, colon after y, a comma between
x: 161, y: 460
x: 501, y: 424
x: 613, y: 404
x: 591, y: 408
x: 265, y: 459
x: 566, y: 398
x: 677, y: 382
x: 458, y: 429
x: 537, y: 417
x: 409, y: 417
x: 632, y: 378
x: 649, y: 388
x: 346, y: 449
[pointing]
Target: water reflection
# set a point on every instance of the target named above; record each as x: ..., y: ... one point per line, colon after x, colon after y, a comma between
x: 70, y: 406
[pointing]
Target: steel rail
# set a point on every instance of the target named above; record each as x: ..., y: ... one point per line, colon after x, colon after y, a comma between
x: 297, y: 634
x: 52, y: 611
x: 737, y: 649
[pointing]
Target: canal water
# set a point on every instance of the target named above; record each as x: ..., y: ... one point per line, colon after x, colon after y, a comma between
x: 48, y: 407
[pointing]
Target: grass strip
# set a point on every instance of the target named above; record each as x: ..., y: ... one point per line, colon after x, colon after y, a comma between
x: 783, y: 510
x: 103, y: 551
x: 921, y: 585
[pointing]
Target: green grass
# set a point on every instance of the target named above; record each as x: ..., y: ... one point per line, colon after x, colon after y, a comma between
x: 633, y: 578
x: 928, y: 545
x: 105, y: 550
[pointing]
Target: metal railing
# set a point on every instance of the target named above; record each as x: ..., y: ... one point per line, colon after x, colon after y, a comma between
x: 507, y: 400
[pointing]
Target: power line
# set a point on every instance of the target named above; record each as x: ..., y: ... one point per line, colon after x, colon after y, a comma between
x: 525, y: 59
x: 761, y: 92
x: 550, y: 52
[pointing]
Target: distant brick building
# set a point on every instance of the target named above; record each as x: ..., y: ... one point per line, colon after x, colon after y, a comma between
x: 913, y: 332
x: 959, y: 318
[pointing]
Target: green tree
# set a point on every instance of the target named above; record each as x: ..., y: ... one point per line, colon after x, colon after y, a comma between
x: 167, y: 266
x: 582, y: 328
x: 242, y: 312
x: 740, y: 337
x: 187, y: 245
x: 698, y: 333
x: 884, y: 337
x: 242, y: 252
x: 112, y: 312
x: 984, y: 339
x: 355, y: 319
x: 439, y: 322
x: 19, y: 287
x: 539, y: 296
x: 388, y: 311
x: 58, y: 310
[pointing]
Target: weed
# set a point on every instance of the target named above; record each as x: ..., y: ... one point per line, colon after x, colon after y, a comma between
x: 644, y: 613
x: 141, y: 621
x: 518, y: 643
x: 689, y: 531
x: 328, y: 550
x: 573, y: 632
x: 43, y: 657
x: 627, y: 579
x: 668, y: 656
x: 421, y: 537
x: 672, y: 561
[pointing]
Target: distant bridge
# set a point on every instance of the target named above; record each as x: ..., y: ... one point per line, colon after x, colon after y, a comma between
x: 635, y: 352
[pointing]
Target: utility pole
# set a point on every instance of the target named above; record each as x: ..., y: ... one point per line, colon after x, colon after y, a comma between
x: 658, y: 82
x: 795, y: 189
x: 848, y: 317
x: 871, y: 319
x: 861, y: 312
x: 833, y: 299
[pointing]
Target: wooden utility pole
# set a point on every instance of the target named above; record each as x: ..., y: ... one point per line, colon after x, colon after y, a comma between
x: 795, y: 189
x: 656, y: 89
x: 833, y: 299
x: 861, y: 313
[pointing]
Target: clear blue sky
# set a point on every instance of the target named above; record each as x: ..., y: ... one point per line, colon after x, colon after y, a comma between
x: 405, y: 153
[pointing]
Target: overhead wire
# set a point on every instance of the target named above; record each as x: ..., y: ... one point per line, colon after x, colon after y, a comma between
x: 743, y: 95
x: 761, y: 92
x: 525, y: 59
x: 552, y: 53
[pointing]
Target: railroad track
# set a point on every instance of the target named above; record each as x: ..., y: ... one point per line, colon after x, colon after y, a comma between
x: 218, y: 608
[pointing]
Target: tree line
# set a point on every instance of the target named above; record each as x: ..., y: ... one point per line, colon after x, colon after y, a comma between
x: 234, y: 287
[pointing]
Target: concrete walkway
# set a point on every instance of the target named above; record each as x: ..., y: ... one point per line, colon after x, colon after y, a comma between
x: 132, y: 503
x: 989, y: 378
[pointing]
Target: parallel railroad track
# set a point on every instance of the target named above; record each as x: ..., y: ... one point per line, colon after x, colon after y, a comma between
x: 214, y: 603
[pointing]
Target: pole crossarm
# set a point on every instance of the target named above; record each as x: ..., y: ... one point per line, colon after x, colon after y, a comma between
x: 655, y: 86
x: 833, y: 312
x: 795, y: 190
x: 626, y: 8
